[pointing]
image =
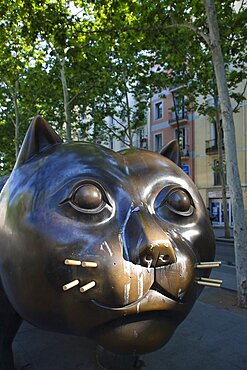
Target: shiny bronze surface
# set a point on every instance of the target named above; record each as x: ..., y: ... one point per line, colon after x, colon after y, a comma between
x: 114, y: 246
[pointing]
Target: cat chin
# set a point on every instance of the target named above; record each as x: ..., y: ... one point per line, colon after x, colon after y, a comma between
x: 138, y: 334
x: 144, y: 326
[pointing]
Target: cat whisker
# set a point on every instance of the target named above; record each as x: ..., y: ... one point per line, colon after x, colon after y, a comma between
x: 209, y: 282
x: 211, y: 262
x: 89, y: 264
x: 208, y: 265
x: 72, y: 262
x: 70, y: 285
x: 80, y: 263
x: 88, y: 286
x: 212, y: 280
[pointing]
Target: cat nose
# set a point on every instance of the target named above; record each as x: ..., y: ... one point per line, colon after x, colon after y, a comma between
x: 157, y: 254
x: 145, y: 242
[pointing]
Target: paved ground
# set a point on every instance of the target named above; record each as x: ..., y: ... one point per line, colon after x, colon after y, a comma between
x: 214, y: 336
x: 219, y: 232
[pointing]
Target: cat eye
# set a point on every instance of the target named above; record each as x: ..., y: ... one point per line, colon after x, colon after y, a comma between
x: 89, y: 198
x: 179, y: 201
x: 175, y: 200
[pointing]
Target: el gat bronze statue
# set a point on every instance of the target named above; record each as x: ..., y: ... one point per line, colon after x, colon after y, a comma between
x: 113, y: 246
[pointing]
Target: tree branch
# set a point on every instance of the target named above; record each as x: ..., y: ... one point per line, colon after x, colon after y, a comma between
x: 12, y: 120
x: 175, y: 25
x: 82, y: 90
x: 236, y: 107
x: 192, y: 28
x: 117, y: 136
x: 11, y: 91
x: 120, y: 124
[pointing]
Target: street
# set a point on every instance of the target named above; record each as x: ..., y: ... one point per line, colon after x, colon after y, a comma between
x: 227, y: 271
x: 225, y: 253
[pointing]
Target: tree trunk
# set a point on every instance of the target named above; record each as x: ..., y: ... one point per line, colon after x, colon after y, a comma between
x: 129, y: 129
x: 240, y: 226
x: 66, y: 101
x: 17, y: 118
x: 221, y: 166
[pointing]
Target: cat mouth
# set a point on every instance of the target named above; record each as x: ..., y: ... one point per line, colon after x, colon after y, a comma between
x: 142, y: 326
x: 155, y: 299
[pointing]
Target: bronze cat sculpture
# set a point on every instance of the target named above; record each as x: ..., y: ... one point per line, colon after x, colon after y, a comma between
x: 113, y: 246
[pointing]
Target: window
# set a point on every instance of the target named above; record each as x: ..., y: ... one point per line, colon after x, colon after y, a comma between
x: 183, y: 141
x: 182, y: 137
x: 158, y: 142
x: 122, y: 141
x: 158, y: 110
x: 217, y: 213
x: 179, y: 105
x: 221, y: 133
x: 216, y: 172
x: 141, y: 140
x: 214, y: 134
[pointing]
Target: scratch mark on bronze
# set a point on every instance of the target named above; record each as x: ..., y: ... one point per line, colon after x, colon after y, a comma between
x: 105, y: 245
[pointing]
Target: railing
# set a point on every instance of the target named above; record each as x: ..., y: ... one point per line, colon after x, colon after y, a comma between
x: 212, y: 146
x: 181, y: 116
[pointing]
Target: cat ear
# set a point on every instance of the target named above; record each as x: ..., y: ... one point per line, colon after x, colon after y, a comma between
x: 39, y: 136
x: 171, y: 151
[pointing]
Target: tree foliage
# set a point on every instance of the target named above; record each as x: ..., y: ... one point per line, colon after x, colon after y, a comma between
x: 79, y: 62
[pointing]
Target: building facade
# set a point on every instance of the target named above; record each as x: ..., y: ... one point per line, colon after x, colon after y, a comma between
x: 199, y: 149
x: 166, y: 122
x: 206, y: 152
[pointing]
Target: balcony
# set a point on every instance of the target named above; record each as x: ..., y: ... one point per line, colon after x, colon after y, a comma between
x: 184, y: 152
x: 182, y: 116
x: 212, y: 147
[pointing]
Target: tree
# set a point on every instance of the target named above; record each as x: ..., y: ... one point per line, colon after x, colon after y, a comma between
x: 214, y: 114
x: 125, y: 97
x: 15, y: 56
x: 54, y: 27
x: 101, y: 55
x: 222, y: 166
x: 240, y: 226
x: 161, y: 25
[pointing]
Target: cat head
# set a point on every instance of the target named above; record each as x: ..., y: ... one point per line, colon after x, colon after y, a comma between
x: 101, y: 243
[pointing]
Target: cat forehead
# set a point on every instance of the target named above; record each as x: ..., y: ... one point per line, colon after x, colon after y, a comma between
x: 78, y: 161
x: 140, y: 160
x: 139, y: 174
x: 78, y: 157
x: 150, y: 168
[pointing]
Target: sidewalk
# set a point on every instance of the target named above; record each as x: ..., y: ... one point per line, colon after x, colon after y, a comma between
x: 220, y: 235
x: 213, y: 336
x: 226, y: 272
